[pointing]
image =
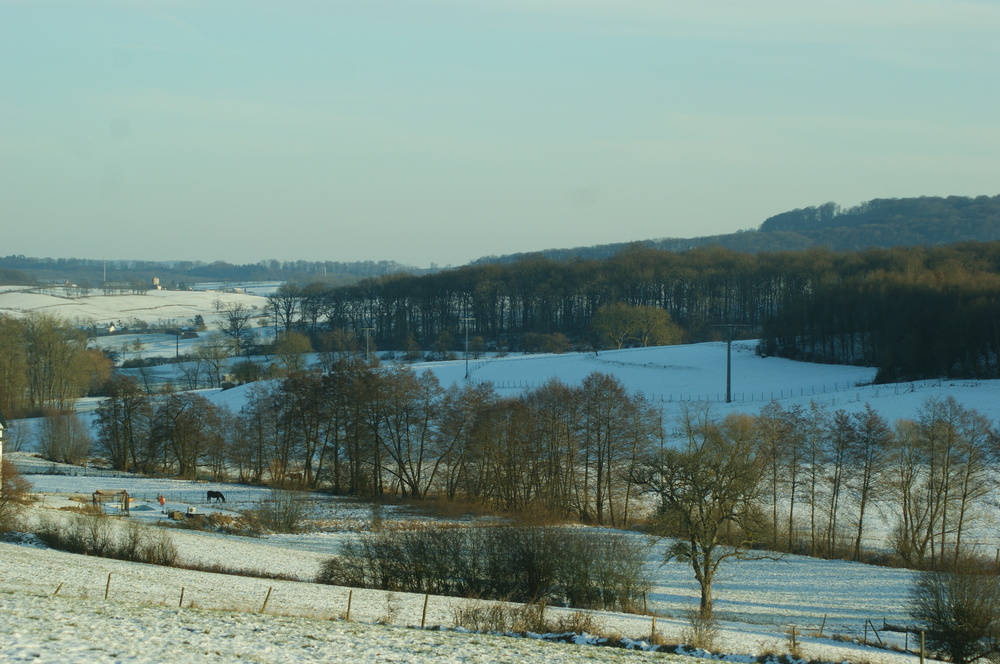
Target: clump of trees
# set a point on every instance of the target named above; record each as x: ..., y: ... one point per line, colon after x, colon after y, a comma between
x: 63, y: 437
x: 45, y: 363
x: 570, y: 567
x: 620, y: 325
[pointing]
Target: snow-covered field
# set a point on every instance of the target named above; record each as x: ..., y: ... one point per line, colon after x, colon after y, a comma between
x: 758, y: 602
x: 152, y: 306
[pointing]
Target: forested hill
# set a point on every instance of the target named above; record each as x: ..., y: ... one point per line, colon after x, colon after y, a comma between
x: 879, y: 223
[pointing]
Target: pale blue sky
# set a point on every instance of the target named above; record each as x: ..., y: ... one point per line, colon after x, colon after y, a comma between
x: 441, y: 131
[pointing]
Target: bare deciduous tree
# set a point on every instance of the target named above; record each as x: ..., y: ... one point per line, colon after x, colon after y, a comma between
x: 708, y: 493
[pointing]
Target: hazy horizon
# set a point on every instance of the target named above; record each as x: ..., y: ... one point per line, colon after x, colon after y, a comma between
x: 438, y: 132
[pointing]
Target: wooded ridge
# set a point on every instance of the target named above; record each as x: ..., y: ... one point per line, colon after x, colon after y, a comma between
x: 912, y: 312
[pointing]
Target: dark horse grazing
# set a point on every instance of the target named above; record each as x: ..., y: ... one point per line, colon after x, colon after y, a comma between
x: 216, y: 496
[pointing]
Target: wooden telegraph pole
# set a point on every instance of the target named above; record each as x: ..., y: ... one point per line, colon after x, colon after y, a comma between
x: 729, y: 358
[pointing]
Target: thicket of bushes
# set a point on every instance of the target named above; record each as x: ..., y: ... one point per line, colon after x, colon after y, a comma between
x: 96, y: 535
x: 570, y: 567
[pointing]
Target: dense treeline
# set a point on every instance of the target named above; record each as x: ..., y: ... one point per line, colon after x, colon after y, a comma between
x: 506, y: 305
x: 912, y: 312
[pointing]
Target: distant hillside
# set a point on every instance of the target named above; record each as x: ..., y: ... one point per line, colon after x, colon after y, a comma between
x: 880, y: 223
x: 93, y: 272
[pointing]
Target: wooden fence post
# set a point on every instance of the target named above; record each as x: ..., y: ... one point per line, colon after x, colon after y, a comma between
x: 652, y: 632
x: 180, y: 604
x: 350, y: 596
x: 921, y: 646
x: 264, y: 607
x: 107, y: 587
x: 423, y: 616
x: 58, y: 589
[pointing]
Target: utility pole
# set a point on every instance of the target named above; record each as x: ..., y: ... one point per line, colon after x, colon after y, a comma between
x: 467, y: 320
x: 729, y: 359
x: 368, y: 343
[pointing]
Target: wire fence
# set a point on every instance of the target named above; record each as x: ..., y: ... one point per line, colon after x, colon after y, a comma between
x: 854, y: 392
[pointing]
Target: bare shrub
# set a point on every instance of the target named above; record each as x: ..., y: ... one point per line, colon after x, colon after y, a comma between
x: 501, y: 617
x: 341, y: 571
x: 959, y: 608
x: 158, y: 548
x: 577, y: 622
x: 97, y: 535
x: 701, y: 632
x: 132, y: 540
x: 13, y: 495
x: 89, y: 535
x: 280, y: 512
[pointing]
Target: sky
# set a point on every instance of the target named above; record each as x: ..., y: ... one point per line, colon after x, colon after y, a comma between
x: 435, y: 132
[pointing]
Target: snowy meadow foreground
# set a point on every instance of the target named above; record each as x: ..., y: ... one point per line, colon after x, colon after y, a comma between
x: 55, y: 607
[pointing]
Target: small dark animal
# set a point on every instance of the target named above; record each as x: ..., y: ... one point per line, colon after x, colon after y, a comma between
x: 216, y: 496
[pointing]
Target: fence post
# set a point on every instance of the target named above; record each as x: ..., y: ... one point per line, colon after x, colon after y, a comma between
x: 58, y: 589
x: 107, y: 587
x: 350, y: 596
x: 921, y: 646
x: 264, y: 607
x: 423, y: 615
x: 652, y: 632
x: 180, y: 604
